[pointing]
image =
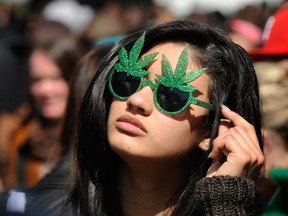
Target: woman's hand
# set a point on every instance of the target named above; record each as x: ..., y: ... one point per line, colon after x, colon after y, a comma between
x: 236, y: 150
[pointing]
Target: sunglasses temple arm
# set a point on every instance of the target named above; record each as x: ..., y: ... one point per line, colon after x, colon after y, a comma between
x: 208, y: 106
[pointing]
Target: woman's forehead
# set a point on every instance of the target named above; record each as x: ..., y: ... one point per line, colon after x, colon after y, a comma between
x: 172, y: 52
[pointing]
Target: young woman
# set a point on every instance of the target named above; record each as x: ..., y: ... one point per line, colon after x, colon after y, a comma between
x: 49, y: 195
x: 154, y: 136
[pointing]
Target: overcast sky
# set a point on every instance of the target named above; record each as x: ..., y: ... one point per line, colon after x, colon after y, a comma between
x: 227, y: 7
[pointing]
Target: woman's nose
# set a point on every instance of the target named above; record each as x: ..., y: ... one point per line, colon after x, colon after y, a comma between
x: 142, y: 101
x: 42, y: 88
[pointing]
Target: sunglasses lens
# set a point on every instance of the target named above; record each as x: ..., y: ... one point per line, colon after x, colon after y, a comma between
x: 124, y: 85
x: 171, y: 99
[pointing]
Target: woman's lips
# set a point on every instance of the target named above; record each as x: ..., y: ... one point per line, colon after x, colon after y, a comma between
x: 130, y: 125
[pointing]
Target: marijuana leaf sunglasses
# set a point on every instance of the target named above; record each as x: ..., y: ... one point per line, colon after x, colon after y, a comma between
x: 172, y: 93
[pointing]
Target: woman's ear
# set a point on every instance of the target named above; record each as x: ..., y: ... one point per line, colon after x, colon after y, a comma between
x: 205, y: 144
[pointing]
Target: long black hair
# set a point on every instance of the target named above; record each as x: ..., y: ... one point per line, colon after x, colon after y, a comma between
x: 233, y: 83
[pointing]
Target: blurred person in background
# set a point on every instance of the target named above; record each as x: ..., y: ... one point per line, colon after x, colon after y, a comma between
x: 14, y: 50
x: 48, y: 197
x: 33, y: 147
x: 43, y: 34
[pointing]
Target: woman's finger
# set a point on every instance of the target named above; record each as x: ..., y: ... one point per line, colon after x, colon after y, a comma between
x: 237, y: 120
x: 236, y: 147
x: 233, y: 141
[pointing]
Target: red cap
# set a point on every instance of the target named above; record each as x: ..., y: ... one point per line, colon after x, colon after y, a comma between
x: 275, y: 36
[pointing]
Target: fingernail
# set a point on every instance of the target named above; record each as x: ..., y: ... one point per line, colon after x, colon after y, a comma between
x: 225, y: 120
x: 209, y: 156
x: 224, y: 107
x: 225, y: 152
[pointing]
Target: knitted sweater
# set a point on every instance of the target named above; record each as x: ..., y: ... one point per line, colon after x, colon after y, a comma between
x: 226, y: 195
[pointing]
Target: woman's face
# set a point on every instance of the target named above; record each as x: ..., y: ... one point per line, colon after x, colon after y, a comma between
x: 48, y: 88
x: 136, y: 128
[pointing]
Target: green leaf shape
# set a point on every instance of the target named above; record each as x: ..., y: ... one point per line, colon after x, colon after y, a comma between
x: 136, y: 50
x: 193, y: 75
x: 145, y: 61
x: 131, y: 63
x: 123, y: 57
x: 179, y: 79
x: 182, y: 64
x: 167, y: 69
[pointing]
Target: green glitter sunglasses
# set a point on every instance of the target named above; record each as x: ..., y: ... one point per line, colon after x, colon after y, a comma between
x: 172, y: 93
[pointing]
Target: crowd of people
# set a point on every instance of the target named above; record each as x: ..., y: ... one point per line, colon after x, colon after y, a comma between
x: 123, y: 108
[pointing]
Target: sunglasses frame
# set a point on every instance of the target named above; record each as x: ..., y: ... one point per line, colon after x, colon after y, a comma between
x: 155, y: 86
x: 133, y: 65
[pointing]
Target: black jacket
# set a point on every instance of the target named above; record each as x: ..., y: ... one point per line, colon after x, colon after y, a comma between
x: 47, y: 198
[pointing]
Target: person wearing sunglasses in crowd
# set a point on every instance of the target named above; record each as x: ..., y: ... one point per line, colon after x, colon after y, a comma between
x: 154, y: 135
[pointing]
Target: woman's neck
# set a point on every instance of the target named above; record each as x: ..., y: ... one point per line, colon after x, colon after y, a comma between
x: 151, y: 190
